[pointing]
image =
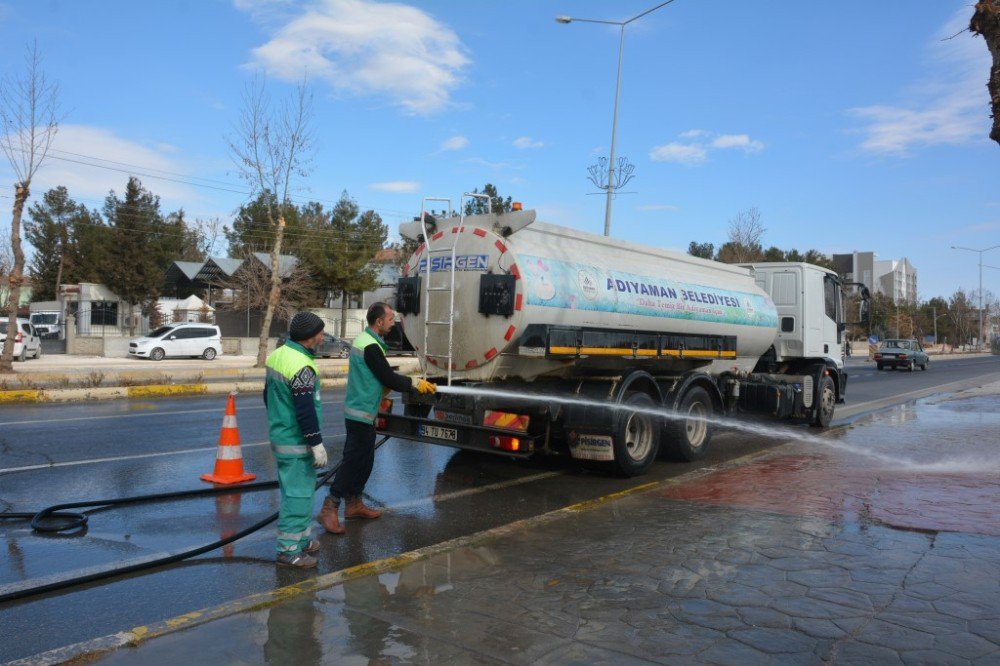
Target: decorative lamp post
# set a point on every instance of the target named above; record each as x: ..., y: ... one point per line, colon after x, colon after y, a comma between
x: 618, y: 89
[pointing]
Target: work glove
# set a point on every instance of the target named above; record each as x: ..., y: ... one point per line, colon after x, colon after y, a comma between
x: 319, y: 456
x: 421, y: 385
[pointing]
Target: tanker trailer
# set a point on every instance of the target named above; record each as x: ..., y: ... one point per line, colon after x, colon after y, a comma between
x: 540, y: 328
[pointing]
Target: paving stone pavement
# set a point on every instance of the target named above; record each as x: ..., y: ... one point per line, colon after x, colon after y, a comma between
x: 807, y: 555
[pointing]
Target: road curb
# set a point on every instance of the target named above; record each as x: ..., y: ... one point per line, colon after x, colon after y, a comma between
x: 151, y: 391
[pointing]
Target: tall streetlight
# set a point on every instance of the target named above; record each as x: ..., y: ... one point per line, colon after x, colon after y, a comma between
x: 985, y: 249
x: 618, y: 90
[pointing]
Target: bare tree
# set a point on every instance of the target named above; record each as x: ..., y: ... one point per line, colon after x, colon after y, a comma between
x: 252, y: 287
x: 271, y: 148
x: 745, y: 235
x: 210, y: 233
x: 986, y: 22
x: 28, y: 110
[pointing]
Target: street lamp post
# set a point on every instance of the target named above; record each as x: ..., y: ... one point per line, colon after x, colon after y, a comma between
x: 618, y: 89
x: 985, y: 249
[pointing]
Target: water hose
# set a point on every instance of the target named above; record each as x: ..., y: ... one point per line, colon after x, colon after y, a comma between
x: 77, y: 521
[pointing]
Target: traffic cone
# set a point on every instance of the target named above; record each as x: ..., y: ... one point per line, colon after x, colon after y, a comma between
x: 229, y: 457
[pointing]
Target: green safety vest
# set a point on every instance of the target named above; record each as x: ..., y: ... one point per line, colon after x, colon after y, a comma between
x: 364, y: 391
x: 283, y: 427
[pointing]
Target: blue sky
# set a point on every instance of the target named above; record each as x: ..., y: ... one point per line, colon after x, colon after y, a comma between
x: 851, y: 126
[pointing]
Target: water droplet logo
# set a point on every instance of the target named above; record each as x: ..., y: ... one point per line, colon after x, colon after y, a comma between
x: 588, y: 285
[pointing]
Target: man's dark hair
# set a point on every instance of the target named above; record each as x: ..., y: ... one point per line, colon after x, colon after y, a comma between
x: 376, y: 311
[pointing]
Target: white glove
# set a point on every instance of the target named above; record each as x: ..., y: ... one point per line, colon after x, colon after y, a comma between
x: 319, y: 456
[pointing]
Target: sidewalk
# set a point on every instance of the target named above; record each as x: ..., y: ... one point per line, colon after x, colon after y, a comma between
x: 879, y: 544
x: 65, y: 378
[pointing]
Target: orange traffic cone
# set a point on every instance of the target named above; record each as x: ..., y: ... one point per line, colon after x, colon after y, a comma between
x: 228, y: 457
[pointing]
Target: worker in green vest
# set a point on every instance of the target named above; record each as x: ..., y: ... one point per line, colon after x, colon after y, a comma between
x: 294, y: 418
x: 369, y: 379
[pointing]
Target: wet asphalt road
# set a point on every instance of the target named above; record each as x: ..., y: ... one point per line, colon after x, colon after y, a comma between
x: 434, y: 494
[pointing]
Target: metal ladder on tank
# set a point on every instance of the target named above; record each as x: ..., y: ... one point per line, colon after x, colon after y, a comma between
x: 449, y: 288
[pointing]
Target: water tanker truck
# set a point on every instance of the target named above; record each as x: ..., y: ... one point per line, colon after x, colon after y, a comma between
x: 557, y: 341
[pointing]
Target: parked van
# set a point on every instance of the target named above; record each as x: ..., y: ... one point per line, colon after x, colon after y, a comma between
x: 191, y: 340
x: 47, y: 324
x: 26, y: 342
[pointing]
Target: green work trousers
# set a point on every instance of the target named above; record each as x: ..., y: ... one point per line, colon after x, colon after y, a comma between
x: 297, y: 483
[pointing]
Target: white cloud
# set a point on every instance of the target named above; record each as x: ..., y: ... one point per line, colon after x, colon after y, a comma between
x: 389, y: 50
x: 947, y: 107
x: 455, y: 143
x: 693, y: 134
x: 699, y: 143
x: 396, y: 186
x: 497, y: 166
x: 692, y: 154
x: 654, y: 207
x: 741, y: 141
x: 523, y: 142
x: 90, y: 161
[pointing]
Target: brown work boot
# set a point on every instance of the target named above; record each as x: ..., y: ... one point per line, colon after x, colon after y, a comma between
x: 328, y: 517
x: 357, y: 509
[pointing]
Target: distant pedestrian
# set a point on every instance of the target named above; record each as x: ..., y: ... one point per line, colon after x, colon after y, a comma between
x: 294, y: 415
x: 369, y: 379
x: 848, y: 349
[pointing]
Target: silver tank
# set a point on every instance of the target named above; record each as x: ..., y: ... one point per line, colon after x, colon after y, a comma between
x: 570, y: 278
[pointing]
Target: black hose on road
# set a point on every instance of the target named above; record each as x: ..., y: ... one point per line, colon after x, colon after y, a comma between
x: 75, y: 521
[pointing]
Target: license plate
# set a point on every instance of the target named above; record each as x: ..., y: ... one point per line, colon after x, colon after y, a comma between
x: 437, y: 432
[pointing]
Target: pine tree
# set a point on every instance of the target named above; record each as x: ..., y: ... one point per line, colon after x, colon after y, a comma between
x: 47, y: 229
x: 139, y: 235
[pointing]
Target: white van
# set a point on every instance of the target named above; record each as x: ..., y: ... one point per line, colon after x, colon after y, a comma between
x: 193, y: 340
x: 27, y: 342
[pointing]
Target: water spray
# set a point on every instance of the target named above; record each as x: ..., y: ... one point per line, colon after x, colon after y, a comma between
x: 952, y: 466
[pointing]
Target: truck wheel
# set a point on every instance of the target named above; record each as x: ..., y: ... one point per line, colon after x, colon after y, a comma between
x: 636, y: 435
x: 826, y: 400
x: 420, y: 411
x: 686, y: 438
x: 157, y: 354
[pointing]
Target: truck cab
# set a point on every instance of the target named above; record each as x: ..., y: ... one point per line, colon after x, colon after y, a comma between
x: 810, y: 304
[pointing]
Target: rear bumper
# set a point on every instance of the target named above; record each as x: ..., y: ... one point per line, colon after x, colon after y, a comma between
x: 457, y: 435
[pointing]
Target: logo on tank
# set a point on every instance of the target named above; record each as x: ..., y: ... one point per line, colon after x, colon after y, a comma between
x: 463, y: 262
x: 588, y: 284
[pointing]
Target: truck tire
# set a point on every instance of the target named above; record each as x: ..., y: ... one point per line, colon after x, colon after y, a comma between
x: 686, y: 438
x: 636, y: 435
x: 826, y: 400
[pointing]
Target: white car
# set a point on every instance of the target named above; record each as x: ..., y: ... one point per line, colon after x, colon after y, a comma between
x: 27, y: 343
x: 192, y: 340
